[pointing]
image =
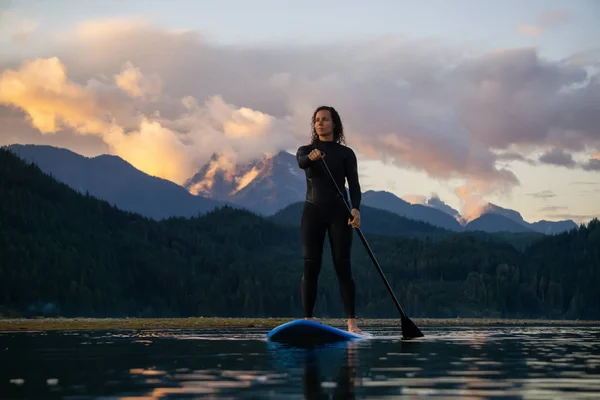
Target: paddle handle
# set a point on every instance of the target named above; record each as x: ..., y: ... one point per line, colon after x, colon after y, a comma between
x: 367, y: 247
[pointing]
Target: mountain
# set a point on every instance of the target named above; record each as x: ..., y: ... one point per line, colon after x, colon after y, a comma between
x: 553, y: 227
x: 373, y: 220
x: 495, y: 223
x: 73, y: 255
x: 390, y: 202
x: 112, y: 179
x: 513, y: 215
x: 264, y: 186
x: 495, y: 218
x: 438, y: 204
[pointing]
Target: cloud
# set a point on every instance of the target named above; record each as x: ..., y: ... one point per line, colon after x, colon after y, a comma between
x: 530, y: 30
x: 16, y: 29
x: 593, y: 164
x: 134, y: 83
x: 588, y: 192
x: 553, y: 208
x: 553, y: 17
x: 435, y: 202
x: 545, y: 20
x: 564, y: 159
x: 544, y: 194
x: 414, y: 198
x: 557, y: 157
x: 513, y: 156
x: 53, y: 103
x: 585, y: 183
x: 24, y: 32
x: 41, y: 88
x: 420, y: 104
x: 584, y: 58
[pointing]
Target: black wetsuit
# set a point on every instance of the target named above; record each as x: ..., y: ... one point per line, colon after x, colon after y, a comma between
x: 324, y: 211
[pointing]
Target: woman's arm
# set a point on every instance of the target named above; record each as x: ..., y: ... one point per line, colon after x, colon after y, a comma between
x: 352, y: 176
x: 302, y: 157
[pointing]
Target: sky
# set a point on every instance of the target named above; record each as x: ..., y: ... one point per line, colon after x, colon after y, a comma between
x: 468, y: 101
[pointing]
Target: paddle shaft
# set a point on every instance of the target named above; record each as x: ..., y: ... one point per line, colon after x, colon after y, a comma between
x: 367, y: 247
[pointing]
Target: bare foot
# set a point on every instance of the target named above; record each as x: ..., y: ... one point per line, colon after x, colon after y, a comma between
x: 352, y: 326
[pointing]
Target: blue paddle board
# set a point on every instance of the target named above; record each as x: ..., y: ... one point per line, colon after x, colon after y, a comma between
x: 309, y: 332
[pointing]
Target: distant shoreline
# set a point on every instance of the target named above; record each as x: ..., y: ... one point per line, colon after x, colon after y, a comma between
x: 53, y: 324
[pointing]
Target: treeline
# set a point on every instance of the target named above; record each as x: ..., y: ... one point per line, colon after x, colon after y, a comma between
x: 63, y: 253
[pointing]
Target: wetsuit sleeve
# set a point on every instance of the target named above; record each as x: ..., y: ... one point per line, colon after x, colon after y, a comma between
x: 353, y: 183
x: 302, y: 157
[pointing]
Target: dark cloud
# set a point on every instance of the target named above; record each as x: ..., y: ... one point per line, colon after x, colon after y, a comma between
x: 564, y: 159
x: 545, y: 194
x: 592, y: 165
x: 513, y: 156
x: 557, y: 157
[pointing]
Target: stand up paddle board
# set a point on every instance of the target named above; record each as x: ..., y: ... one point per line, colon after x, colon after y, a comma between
x: 309, y: 332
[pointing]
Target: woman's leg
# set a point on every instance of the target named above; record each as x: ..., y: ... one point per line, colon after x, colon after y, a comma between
x: 313, y: 230
x: 340, y: 239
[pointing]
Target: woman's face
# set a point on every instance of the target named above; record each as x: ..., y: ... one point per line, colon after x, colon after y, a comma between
x: 324, y: 124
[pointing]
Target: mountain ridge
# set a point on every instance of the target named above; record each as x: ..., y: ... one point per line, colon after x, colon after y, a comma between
x: 113, y: 179
x: 265, y: 186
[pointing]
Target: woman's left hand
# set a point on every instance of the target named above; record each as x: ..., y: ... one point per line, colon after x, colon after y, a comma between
x: 355, y: 220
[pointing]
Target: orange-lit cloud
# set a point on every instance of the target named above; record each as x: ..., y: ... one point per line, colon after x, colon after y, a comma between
x: 472, y: 200
x: 42, y: 89
x: 133, y: 82
x: 154, y: 150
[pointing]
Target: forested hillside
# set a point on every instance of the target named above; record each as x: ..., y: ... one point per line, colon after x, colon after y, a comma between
x: 62, y: 248
x: 382, y: 222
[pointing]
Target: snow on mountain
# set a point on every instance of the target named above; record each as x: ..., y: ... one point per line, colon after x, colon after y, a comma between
x: 264, y: 185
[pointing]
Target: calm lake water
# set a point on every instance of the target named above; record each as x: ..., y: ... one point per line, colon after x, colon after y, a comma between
x: 461, y: 362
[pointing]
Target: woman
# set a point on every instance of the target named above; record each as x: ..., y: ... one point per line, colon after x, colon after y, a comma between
x: 324, y: 210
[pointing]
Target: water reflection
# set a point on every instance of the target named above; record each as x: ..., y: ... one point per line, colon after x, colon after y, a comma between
x: 453, y: 362
x: 328, y: 371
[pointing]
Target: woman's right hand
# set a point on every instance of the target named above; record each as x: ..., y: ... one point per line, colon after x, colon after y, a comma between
x: 315, y: 155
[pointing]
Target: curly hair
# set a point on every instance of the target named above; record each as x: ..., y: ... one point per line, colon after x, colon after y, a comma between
x: 338, y: 128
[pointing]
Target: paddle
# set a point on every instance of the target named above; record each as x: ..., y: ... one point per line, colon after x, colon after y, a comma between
x: 409, y: 329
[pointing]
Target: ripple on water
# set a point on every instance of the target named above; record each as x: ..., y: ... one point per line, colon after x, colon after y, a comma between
x: 464, y: 363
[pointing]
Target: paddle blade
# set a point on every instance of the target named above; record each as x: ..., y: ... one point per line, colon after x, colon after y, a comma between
x: 409, y: 329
